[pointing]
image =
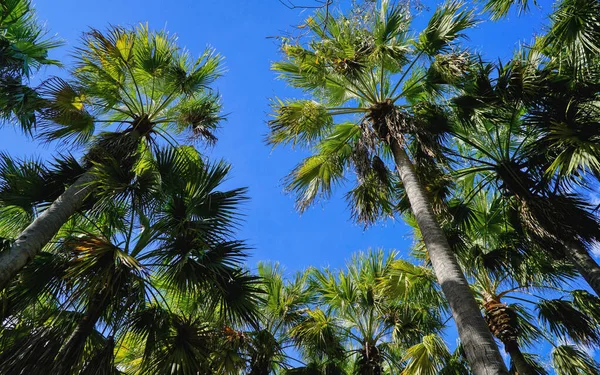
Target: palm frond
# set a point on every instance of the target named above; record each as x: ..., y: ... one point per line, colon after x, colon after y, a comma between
x: 427, y: 357
x: 564, y: 320
x: 569, y: 360
x: 445, y: 26
x: 318, y: 336
x: 301, y: 121
x: 64, y: 114
x: 500, y: 8
x: 575, y: 34
x: 24, y: 46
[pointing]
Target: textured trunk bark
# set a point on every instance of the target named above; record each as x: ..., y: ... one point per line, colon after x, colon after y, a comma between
x: 518, y: 359
x: 373, y: 360
x: 480, y: 348
x: 31, y: 241
x: 71, y: 350
x: 586, y: 265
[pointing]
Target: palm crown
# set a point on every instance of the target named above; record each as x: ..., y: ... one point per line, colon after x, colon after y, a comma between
x: 358, y: 69
x: 137, y: 79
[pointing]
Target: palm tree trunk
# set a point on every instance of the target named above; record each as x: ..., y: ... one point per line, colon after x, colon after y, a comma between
x: 585, y: 264
x: 503, y: 324
x: 31, y: 241
x: 70, y: 352
x: 518, y: 359
x: 480, y: 348
x: 372, y: 360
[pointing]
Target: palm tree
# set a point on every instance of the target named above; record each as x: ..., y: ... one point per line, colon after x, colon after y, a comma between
x: 486, y: 235
x: 284, y: 306
x: 150, y: 251
x: 375, y: 323
x: 502, y: 266
x: 374, y: 93
x: 320, y: 340
x: 288, y: 319
x: 560, y: 88
x: 378, y: 316
x: 181, y: 338
x: 497, y: 147
x: 24, y: 49
x: 140, y: 83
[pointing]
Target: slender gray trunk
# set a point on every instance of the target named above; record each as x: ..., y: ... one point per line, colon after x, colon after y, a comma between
x: 586, y: 265
x: 31, y: 241
x: 480, y: 348
x: 518, y: 359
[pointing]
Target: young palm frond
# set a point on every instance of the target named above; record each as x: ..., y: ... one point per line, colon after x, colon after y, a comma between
x: 318, y: 336
x: 428, y: 357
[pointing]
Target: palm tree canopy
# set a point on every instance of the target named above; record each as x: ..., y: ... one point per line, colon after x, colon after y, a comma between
x: 137, y: 80
x: 354, y: 67
x: 169, y: 249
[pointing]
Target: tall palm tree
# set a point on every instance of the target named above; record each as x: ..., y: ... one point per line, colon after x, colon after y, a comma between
x: 513, y: 282
x: 142, y: 85
x: 498, y: 148
x: 373, y: 94
x: 147, y: 252
x: 505, y: 265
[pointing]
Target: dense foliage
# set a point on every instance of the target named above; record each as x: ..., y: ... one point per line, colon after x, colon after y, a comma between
x: 126, y: 260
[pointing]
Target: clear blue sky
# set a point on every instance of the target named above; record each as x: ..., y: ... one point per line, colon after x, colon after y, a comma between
x: 240, y: 30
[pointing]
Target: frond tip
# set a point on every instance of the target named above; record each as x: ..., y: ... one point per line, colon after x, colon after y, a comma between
x: 445, y: 26
x: 500, y: 8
